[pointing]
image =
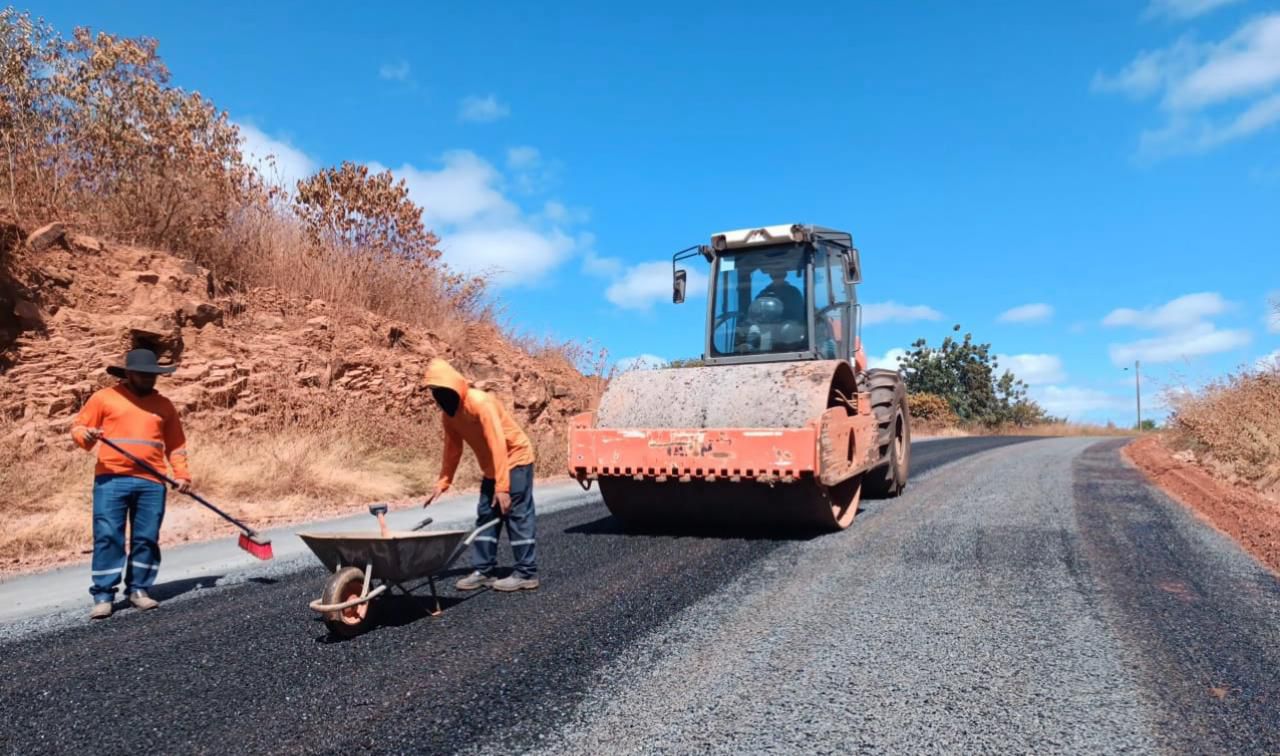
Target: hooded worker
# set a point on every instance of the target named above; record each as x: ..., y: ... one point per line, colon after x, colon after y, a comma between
x: 135, y: 417
x: 506, y: 460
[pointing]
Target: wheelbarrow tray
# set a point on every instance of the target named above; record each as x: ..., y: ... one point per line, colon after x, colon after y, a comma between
x: 398, y: 557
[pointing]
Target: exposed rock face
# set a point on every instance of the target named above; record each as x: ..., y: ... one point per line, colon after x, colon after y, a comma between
x: 46, y: 236
x: 78, y: 304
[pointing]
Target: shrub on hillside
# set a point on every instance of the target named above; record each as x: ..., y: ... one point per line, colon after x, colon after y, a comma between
x: 931, y: 409
x: 963, y: 372
x: 92, y: 131
x: 1234, y: 422
x: 370, y: 217
x: 351, y: 207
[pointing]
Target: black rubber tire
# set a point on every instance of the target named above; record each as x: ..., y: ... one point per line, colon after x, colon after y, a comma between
x: 893, y: 435
x: 341, y: 625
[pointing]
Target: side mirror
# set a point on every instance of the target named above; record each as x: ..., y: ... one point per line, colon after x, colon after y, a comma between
x: 853, y: 267
x: 679, y: 281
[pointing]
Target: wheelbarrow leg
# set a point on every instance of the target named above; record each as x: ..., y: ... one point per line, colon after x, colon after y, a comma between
x: 435, y: 597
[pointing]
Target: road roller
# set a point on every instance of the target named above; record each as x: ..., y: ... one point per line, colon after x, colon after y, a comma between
x: 780, y: 424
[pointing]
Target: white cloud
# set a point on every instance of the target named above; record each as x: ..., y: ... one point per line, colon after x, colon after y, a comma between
x: 1244, y: 63
x: 1211, y: 93
x: 889, y: 361
x: 558, y: 212
x: 515, y: 254
x: 1153, y: 70
x: 1185, y: 330
x: 1028, y: 313
x: 520, y: 158
x: 892, y: 312
x: 1273, y: 316
x: 639, y: 287
x: 1074, y: 402
x: 485, y: 109
x: 1033, y: 369
x: 1268, y: 361
x: 1181, y: 10
x: 276, y: 160
x: 1183, y: 311
x: 482, y: 230
x: 397, y: 71
x: 1197, y: 340
x: 466, y: 188
x: 604, y: 267
x: 640, y: 362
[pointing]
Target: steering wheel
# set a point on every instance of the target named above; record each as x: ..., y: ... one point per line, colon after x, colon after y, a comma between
x: 735, y: 346
x: 722, y: 318
x: 821, y: 321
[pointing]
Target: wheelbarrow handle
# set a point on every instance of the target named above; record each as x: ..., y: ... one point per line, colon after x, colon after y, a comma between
x: 457, y: 551
x: 481, y: 529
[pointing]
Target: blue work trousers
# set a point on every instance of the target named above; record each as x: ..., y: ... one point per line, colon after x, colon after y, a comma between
x: 140, y: 501
x: 520, y: 526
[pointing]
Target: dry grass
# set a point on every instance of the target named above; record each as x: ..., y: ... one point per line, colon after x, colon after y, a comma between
x: 1233, y: 425
x: 45, y: 503
x: 1064, y: 429
x: 266, y: 246
x: 307, y: 467
x: 291, y: 474
x: 935, y: 430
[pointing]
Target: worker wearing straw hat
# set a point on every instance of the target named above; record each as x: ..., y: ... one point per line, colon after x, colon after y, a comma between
x: 134, y: 416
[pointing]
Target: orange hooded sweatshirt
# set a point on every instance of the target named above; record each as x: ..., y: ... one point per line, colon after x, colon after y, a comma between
x: 145, y: 426
x: 484, y: 424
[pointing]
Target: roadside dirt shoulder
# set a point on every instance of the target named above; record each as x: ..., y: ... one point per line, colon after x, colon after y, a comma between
x: 1249, y: 517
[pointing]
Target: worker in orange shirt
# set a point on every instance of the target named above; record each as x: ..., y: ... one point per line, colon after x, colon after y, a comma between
x: 506, y: 459
x: 134, y: 416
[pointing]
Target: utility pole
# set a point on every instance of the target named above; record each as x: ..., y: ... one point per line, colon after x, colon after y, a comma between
x: 1137, y: 390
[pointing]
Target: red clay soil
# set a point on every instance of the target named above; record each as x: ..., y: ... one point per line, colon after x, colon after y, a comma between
x: 1250, y: 518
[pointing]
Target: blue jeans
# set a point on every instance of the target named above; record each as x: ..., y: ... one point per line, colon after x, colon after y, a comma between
x: 520, y: 530
x: 141, y: 501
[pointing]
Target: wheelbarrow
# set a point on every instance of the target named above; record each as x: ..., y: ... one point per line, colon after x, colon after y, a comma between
x: 367, y: 565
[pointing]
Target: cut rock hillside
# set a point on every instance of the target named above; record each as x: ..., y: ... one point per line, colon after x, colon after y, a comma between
x: 71, y: 304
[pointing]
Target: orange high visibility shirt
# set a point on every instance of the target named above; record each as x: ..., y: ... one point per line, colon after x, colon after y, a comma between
x: 145, y: 426
x: 484, y: 424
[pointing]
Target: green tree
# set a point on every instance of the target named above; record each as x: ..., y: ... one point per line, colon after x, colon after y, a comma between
x: 965, y: 374
x: 686, y: 362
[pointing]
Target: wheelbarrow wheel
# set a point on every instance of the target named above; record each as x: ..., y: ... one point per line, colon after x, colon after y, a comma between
x: 347, y: 583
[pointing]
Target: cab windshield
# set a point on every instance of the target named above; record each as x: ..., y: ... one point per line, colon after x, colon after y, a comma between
x: 760, y: 302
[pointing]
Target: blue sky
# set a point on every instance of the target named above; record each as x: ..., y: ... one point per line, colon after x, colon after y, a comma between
x: 1110, y: 167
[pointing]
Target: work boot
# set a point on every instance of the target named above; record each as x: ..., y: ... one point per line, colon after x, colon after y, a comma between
x: 101, y: 610
x: 473, y: 581
x: 516, y: 582
x: 142, y: 601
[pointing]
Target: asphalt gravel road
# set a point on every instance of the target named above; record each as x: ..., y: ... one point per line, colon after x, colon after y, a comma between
x: 1019, y: 597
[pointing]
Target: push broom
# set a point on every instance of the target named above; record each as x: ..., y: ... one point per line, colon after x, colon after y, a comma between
x: 250, y: 540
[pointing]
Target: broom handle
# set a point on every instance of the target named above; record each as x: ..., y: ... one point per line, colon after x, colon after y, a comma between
x: 147, y: 466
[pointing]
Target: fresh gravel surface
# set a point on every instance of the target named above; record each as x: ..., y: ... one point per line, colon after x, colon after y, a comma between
x: 970, y: 614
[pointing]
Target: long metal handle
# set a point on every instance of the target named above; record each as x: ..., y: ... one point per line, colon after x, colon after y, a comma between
x: 467, y: 542
x: 149, y: 468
